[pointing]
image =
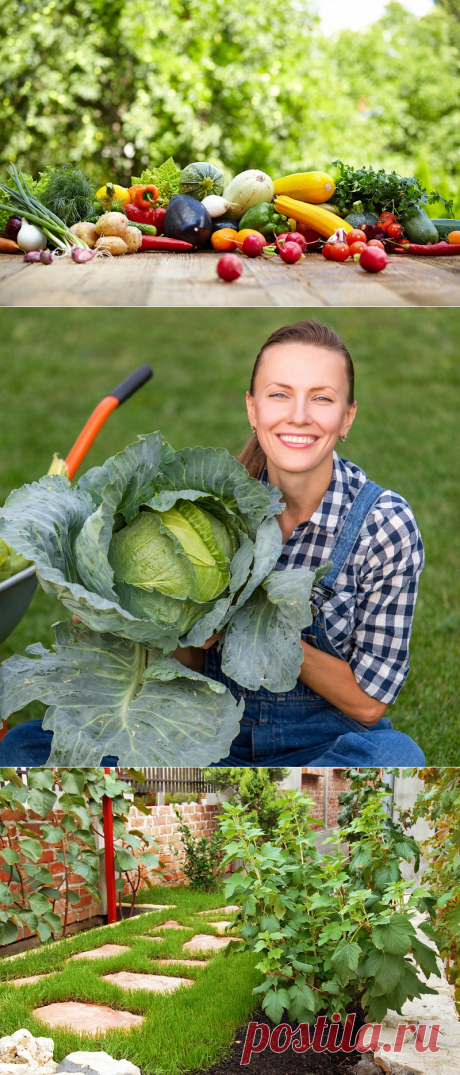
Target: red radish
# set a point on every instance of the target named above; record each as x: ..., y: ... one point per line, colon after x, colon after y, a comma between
x: 313, y: 238
x: 291, y: 237
x: 357, y: 248
x: 373, y: 259
x: 229, y: 267
x: 340, y: 251
x: 253, y: 245
x: 290, y: 253
x: 355, y: 236
x: 376, y: 242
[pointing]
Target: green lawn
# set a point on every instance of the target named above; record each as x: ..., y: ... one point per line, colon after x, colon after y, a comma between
x: 55, y: 365
x: 185, y: 1030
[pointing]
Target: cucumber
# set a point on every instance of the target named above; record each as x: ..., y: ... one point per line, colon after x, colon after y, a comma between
x: 419, y: 228
x: 445, y: 226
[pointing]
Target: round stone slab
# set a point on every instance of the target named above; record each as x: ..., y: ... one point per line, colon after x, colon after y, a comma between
x: 87, y: 1018
x: 202, y: 942
x: 156, y: 983
x: 104, y: 952
x: 218, y: 910
x: 171, y: 924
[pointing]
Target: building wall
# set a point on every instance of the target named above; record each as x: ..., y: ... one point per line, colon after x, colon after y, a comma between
x: 324, y: 786
x: 163, y: 826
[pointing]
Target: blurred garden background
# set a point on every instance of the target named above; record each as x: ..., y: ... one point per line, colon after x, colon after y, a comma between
x: 55, y: 366
x: 114, y: 85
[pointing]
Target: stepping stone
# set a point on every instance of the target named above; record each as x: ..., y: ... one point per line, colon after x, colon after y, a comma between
x: 171, y: 924
x: 203, y: 942
x: 104, y: 952
x: 90, y: 1018
x: 29, y: 980
x: 150, y: 938
x: 156, y: 983
x: 153, y: 906
x: 231, y: 907
x: 220, y: 926
x: 185, y: 962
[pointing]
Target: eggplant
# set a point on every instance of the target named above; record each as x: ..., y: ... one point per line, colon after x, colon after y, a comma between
x: 222, y: 222
x: 186, y: 218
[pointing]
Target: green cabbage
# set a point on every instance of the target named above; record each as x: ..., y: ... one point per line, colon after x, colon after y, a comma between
x: 10, y: 562
x: 153, y: 550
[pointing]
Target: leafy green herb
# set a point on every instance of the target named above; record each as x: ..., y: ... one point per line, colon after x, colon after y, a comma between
x: 67, y: 192
x: 166, y: 178
x: 381, y: 190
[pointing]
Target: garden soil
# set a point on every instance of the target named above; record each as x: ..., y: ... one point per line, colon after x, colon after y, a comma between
x: 287, y: 1063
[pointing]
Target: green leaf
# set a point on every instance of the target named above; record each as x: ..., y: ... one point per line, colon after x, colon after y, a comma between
x: 54, y: 893
x: 41, y: 802
x: 386, y: 969
x: 269, y: 924
x: 8, y: 932
x: 394, y: 935
x: 149, y: 859
x: 425, y: 957
x: 29, y: 918
x: 104, y: 700
x: 51, y: 834
x: 125, y: 861
x: 73, y: 897
x: 274, y: 1004
x: 345, y: 959
x: 53, y: 920
x: 31, y: 848
x: 40, y: 779
x: 387, y: 875
x: 73, y: 781
x: 43, y: 929
x: 39, y: 904
x: 9, y: 856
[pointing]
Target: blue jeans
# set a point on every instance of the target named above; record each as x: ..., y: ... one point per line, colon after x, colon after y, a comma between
x: 29, y: 745
x: 300, y: 728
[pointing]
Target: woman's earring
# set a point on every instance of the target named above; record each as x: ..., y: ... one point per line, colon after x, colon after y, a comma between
x: 253, y: 429
x: 343, y: 438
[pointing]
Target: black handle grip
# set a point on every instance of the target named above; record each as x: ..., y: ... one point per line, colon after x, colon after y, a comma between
x: 131, y: 384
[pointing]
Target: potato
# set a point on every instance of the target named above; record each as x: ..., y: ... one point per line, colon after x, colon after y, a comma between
x: 112, y: 224
x: 133, y: 239
x: 86, y: 231
x: 111, y: 244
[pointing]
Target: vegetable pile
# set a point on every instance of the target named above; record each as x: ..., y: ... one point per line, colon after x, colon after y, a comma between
x: 167, y: 208
x: 153, y: 550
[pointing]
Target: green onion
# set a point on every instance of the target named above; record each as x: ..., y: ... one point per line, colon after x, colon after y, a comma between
x: 22, y: 202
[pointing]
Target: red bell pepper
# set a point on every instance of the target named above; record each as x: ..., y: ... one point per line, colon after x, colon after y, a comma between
x: 163, y: 242
x: 151, y: 215
x: 441, y: 248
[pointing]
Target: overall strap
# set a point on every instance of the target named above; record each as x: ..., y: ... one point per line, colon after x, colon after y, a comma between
x: 346, y: 539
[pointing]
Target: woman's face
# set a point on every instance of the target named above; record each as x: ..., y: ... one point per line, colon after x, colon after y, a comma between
x: 299, y: 407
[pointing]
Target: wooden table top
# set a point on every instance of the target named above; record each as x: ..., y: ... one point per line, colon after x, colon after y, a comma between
x: 166, y: 279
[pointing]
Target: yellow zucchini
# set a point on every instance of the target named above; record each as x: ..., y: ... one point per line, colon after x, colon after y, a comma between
x: 321, y: 220
x: 313, y: 187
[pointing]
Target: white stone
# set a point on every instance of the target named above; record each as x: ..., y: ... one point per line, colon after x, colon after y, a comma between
x: 22, y: 1054
x: 103, y: 1064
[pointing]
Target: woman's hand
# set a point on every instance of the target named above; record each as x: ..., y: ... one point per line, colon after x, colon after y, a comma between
x: 193, y: 656
x: 334, y: 680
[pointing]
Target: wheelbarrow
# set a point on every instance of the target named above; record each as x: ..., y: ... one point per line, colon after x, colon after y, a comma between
x: 17, y: 592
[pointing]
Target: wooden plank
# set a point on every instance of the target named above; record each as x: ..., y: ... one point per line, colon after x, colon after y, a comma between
x: 190, y: 280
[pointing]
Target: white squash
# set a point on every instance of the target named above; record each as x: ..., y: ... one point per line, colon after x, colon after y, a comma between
x: 247, y: 189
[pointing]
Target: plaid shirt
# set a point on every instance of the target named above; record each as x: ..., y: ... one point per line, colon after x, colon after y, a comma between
x: 369, y: 618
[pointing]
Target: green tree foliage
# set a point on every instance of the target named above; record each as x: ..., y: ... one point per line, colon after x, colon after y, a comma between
x: 256, y: 789
x: 201, y: 857
x: 240, y: 85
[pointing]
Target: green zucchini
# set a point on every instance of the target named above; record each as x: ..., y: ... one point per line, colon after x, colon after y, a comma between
x: 419, y: 228
x: 445, y: 226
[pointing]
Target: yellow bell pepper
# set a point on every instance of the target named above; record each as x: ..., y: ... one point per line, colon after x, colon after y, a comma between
x: 111, y: 192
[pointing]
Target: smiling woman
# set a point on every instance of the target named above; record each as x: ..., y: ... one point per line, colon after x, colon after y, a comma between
x: 356, y: 652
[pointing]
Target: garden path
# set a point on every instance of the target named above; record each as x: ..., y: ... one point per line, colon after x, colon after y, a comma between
x: 164, y: 279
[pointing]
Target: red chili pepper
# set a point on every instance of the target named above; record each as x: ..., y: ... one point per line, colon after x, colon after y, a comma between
x: 162, y: 242
x: 441, y: 248
x: 143, y: 195
x: 152, y: 215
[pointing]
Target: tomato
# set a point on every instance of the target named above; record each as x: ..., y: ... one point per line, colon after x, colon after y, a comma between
x: 394, y: 231
x: 376, y: 242
x: 357, y: 248
x: 326, y: 251
x: 340, y: 251
x: 224, y: 239
x: 387, y: 218
x: 373, y: 260
x: 355, y: 236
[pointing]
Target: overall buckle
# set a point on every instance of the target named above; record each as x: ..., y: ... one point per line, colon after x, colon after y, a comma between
x: 320, y: 594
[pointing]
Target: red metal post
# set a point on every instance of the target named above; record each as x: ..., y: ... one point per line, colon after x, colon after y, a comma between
x: 107, y: 818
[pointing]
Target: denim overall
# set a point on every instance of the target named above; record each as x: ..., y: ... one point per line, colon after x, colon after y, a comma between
x: 299, y: 727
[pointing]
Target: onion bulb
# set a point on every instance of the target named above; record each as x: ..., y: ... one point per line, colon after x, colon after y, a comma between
x: 216, y: 205
x: 30, y: 238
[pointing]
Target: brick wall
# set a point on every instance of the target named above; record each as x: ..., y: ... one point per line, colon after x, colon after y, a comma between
x: 313, y: 782
x: 87, y: 907
x: 162, y: 825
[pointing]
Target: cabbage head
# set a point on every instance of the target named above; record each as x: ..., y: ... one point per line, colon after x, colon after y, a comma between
x: 153, y: 550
